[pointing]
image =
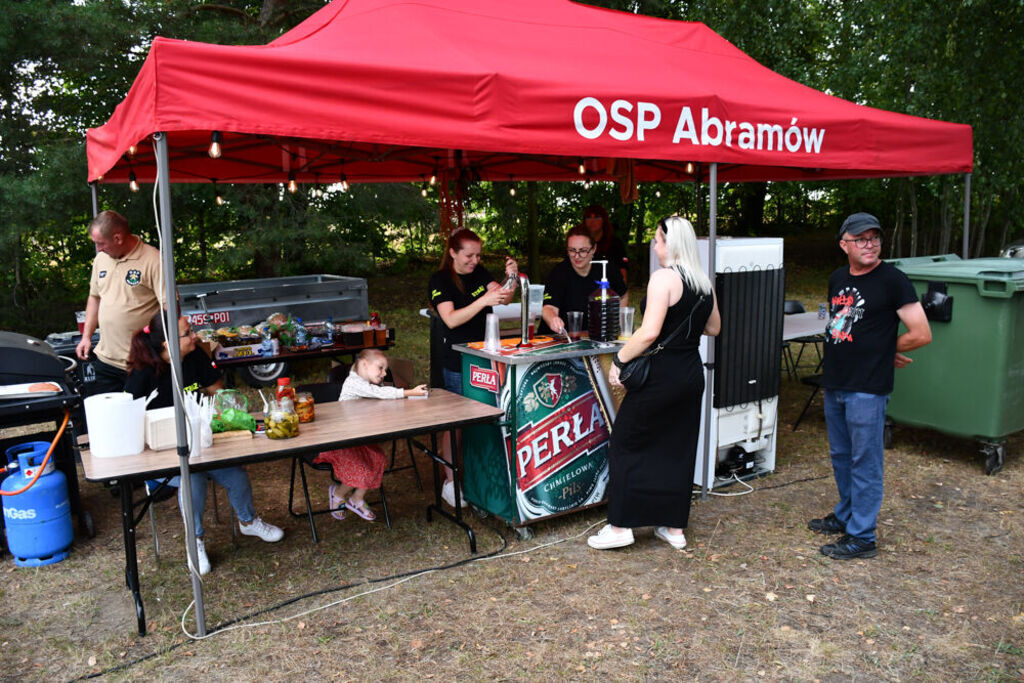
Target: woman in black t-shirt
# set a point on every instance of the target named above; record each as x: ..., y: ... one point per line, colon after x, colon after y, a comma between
x: 570, y: 283
x: 149, y: 367
x: 462, y: 292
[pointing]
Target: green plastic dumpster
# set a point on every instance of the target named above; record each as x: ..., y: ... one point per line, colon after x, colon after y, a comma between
x: 970, y: 380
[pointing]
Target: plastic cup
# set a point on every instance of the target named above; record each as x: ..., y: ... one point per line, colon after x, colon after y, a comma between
x: 574, y: 324
x: 80, y: 319
x: 626, y: 322
x: 492, y: 336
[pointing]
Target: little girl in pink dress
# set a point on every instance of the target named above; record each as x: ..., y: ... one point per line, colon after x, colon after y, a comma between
x: 360, y: 468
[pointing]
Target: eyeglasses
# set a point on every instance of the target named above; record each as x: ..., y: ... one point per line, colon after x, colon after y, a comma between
x: 580, y: 252
x: 862, y: 242
x: 188, y: 333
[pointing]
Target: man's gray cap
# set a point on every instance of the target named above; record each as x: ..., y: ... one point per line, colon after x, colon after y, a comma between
x: 858, y: 223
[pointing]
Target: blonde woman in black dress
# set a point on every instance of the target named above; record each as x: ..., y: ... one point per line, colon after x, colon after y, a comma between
x: 654, y: 438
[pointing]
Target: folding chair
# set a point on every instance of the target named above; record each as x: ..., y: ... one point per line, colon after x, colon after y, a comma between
x: 158, y: 491
x: 322, y: 392
x: 811, y: 381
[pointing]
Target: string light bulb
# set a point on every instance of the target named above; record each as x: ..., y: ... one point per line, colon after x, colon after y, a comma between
x: 133, y: 183
x: 424, y: 191
x: 132, y: 149
x: 344, y: 183
x: 689, y: 167
x: 582, y: 167
x: 657, y: 193
x: 215, y: 140
x: 218, y: 197
x: 512, y: 191
x: 433, y: 179
x: 292, y: 185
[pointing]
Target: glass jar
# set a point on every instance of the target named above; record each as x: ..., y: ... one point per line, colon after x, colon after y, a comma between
x: 304, y: 406
x: 285, y: 389
x: 281, y: 420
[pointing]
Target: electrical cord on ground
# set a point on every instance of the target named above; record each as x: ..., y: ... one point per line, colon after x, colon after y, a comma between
x: 404, y: 576
x: 733, y: 479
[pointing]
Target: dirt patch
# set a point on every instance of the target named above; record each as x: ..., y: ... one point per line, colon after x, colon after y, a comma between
x: 750, y: 598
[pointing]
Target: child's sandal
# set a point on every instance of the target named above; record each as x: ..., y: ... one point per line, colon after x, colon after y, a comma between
x: 362, y: 510
x: 336, y: 503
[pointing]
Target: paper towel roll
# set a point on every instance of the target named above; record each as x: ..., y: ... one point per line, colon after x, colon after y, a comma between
x: 117, y: 424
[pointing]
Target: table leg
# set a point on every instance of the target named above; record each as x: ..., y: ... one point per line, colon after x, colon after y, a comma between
x: 456, y: 466
x: 131, y: 564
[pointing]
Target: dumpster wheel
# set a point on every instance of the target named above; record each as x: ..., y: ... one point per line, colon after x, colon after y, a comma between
x: 524, y: 533
x: 995, y: 456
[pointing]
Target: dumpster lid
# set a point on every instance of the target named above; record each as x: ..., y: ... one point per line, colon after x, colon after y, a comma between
x: 995, y: 276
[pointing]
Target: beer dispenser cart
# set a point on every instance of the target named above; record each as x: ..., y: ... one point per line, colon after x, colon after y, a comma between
x: 549, y: 456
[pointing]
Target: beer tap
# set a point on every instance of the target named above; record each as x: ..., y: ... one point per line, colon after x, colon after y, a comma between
x: 524, y: 303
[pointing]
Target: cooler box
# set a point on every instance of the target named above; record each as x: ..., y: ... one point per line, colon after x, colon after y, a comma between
x: 970, y: 380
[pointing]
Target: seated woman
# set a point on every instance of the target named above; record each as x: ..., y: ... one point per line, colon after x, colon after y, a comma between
x: 572, y: 281
x: 149, y: 367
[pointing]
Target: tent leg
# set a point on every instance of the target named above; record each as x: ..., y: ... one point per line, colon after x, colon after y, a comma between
x: 967, y: 215
x: 163, y: 182
x: 95, y: 199
x: 709, y: 379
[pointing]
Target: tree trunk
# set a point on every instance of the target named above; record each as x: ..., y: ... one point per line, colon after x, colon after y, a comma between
x: 912, y: 194
x: 945, y: 217
x: 532, y: 243
x: 982, y: 226
x: 894, y: 242
x: 270, y: 10
x: 752, y: 207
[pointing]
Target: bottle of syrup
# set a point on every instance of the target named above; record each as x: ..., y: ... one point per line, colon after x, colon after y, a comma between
x: 603, y: 309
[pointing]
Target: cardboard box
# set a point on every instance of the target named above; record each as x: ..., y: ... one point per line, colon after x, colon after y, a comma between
x: 160, y: 430
x: 246, y: 351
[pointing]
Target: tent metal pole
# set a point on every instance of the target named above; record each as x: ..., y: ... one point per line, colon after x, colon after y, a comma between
x: 163, y: 178
x: 709, y: 377
x: 95, y: 199
x: 967, y: 215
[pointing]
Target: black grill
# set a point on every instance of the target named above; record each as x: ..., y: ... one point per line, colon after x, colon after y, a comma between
x: 24, y: 360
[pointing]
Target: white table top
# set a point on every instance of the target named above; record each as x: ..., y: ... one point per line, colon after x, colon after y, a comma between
x: 802, y: 325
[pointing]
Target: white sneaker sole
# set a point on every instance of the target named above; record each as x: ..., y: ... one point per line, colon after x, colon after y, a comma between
x: 608, y: 541
x: 677, y: 542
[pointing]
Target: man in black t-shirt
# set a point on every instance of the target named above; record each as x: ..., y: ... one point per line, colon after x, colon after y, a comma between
x: 868, y: 299
x: 573, y: 280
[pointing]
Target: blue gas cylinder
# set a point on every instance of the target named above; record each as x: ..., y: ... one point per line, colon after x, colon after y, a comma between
x: 38, y: 520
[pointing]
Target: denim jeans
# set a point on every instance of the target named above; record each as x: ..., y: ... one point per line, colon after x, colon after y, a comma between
x: 452, y: 381
x: 235, y: 481
x: 856, y: 422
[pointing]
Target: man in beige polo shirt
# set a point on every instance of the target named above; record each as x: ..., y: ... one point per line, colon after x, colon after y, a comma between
x: 125, y: 291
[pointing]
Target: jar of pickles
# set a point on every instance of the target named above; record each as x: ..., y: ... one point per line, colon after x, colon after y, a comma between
x: 304, y: 406
x: 281, y: 420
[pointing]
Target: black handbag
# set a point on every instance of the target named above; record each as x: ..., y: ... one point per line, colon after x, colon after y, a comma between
x: 633, y: 373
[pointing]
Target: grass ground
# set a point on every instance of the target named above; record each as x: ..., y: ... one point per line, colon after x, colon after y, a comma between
x: 750, y: 599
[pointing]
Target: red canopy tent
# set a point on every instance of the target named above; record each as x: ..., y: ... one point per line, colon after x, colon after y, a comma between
x: 389, y: 90
x: 384, y: 90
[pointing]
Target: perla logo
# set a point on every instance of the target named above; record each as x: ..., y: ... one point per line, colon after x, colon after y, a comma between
x: 14, y: 513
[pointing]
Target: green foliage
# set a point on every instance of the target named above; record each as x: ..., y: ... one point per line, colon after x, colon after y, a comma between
x: 69, y: 64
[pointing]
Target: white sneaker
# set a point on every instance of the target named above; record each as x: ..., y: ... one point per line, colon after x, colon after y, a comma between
x: 677, y: 541
x: 257, y: 527
x: 608, y: 538
x: 204, y: 561
x: 448, y: 494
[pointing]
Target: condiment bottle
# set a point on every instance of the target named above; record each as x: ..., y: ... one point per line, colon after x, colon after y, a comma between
x: 603, y: 309
x: 285, y: 389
